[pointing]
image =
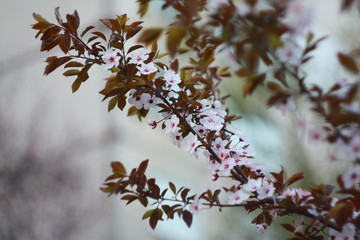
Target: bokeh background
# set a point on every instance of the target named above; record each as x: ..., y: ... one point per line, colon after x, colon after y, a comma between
x: 56, y: 147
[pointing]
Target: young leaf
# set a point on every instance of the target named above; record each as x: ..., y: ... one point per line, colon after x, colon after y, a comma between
x: 348, y: 62
x: 187, y: 217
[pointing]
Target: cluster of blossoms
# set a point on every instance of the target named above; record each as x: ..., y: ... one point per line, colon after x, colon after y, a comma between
x: 190, y: 104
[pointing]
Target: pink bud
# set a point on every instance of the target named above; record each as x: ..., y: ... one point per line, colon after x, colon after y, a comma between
x: 152, y: 124
x: 215, y: 176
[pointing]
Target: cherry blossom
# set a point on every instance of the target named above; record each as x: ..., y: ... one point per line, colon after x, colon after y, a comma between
x: 138, y: 58
x: 171, y: 124
x: 298, y: 17
x: 111, y: 58
x: 148, y: 101
x: 237, y: 197
x: 317, y: 134
x: 216, y: 3
x: 298, y: 223
x: 290, y: 53
x: 352, y: 150
x: 261, y: 228
x: 171, y: 77
x: 191, y: 145
x: 152, y: 124
x: 146, y: 69
x: 265, y: 190
x: 347, y: 232
x: 286, y: 104
x: 226, y: 166
x: 219, y: 144
x: 195, y: 206
x: 351, y: 177
x: 177, y: 138
x: 252, y: 185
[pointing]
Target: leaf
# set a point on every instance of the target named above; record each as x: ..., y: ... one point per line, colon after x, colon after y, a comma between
x: 348, y: 62
x: 118, y: 167
x: 294, y: 178
x: 112, y: 103
x: 187, y: 217
x: 142, y: 167
x: 172, y: 187
x: 154, y: 218
x: 252, y: 83
x: 99, y: 34
x: 58, y: 16
x: 288, y: 227
x: 184, y: 193
x: 73, y: 64
x: 54, y: 63
x: 174, y: 39
x: 76, y: 84
x: 148, y: 213
x: 71, y: 72
x: 150, y: 35
x: 341, y: 212
x: 86, y: 30
x: 134, y: 48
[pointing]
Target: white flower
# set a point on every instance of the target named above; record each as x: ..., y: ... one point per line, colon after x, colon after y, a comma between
x: 298, y: 17
x: 286, y: 104
x: 266, y: 190
x: 171, y: 77
x: 138, y: 58
x: 111, y: 58
x: 146, y: 69
x: 171, y: 124
x: 191, y: 145
x: 216, y: 3
x: 226, y: 166
x: 352, y: 150
x: 290, y: 53
x: 351, y: 177
x: 177, y: 137
x: 212, y: 123
x: 347, y: 232
x: 195, y: 206
x: 252, y: 185
x: 237, y: 197
x: 261, y: 228
x: 317, y: 134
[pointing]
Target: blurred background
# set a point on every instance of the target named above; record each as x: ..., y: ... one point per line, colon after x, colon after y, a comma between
x: 56, y: 147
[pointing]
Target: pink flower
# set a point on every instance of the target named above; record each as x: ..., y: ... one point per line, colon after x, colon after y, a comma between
x: 177, y: 138
x: 171, y: 77
x: 195, y: 206
x: 138, y: 58
x: 286, y: 104
x: 252, y: 185
x: 317, y: 134
x: 226, y: 166
x: 111, y: 58
x: 290, y: 53
x: 351, y: 177
x: 215, y: 176
x: 191, y: 145
x: 261, y: 228
x: 146, y: 69
x: 237, y: 197
x: 212, y: 123
x: 347, y: 232
x: 298, y: 17
x: 266, y: 190
x: 352, y: 150
x: 171, y: 124
x: 152, y: 124
x: 298, y: 223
